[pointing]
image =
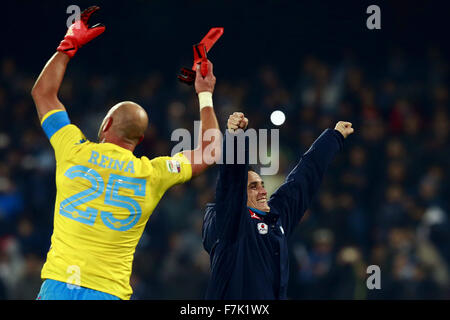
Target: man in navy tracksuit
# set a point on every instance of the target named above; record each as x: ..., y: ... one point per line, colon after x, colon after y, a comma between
x: 246, y: 235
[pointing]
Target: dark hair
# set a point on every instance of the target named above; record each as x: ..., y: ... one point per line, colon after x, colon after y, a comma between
x: 252, y: 168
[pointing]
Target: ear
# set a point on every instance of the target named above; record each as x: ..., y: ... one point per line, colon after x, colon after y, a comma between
x: 140, y: 139
x: 108, y: 124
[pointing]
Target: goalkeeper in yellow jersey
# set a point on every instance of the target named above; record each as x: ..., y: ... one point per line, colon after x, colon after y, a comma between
x: 105, y: 195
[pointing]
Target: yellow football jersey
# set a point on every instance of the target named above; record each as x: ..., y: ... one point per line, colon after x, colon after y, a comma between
x: 105, y: 196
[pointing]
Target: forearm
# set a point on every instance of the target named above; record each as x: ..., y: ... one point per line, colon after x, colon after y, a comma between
x: 232, y: 179
x: 231, y: 189
x: 45, y: 90
x: 309, y: 171
x: 207, y: 151
x: 324, y: 148
x: 295, y: 195
x: 210, y: 132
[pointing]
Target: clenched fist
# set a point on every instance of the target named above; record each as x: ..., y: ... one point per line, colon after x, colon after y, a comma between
x: 345, y: 128
x: 237, y: 121
x: 207, y: 83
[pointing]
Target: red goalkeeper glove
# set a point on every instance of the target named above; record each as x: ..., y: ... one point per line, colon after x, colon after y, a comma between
x: 79, y: 33
x: 200, y: 51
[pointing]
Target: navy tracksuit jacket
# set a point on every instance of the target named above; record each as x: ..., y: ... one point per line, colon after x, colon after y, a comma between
x: 248, y: 262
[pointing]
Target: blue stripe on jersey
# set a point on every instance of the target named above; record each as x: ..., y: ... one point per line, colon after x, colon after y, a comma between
x: 55, y: 122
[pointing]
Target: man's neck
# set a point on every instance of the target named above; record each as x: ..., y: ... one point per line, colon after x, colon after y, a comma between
x: 120, y: 143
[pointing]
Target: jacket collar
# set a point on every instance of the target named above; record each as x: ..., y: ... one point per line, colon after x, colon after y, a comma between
x: 268, y: 217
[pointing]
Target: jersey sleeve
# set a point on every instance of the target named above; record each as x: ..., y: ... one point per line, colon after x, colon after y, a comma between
x: 62, y: 134
x: 172, y: 170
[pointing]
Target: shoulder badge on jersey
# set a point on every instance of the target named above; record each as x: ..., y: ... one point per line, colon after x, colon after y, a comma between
x: 173, y: 166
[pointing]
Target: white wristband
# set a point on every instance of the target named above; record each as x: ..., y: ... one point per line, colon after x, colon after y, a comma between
x: 205, y: 99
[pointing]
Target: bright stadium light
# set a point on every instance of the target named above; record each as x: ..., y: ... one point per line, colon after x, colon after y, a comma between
x: 277, y: 117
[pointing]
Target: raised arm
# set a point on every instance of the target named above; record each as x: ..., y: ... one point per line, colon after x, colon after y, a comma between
x: 231, y: 189
x: 294, y: 196
x: 208, y: 150
x: 45, y: 90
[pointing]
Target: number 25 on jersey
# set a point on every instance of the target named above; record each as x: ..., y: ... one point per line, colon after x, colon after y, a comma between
x: 68, y: 207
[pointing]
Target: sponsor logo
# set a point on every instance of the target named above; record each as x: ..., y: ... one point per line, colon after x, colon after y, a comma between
x: 254, y: 215
x: 262, y: 228
x: 81, y: 140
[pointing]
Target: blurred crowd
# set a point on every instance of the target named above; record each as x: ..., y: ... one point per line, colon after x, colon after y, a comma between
x: 384, y: 200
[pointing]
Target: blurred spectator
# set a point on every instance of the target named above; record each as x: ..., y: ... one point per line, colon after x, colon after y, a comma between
x: 314, y: 266
x: 11, y: 265
x: 29, y: 283
x: 349, y: 275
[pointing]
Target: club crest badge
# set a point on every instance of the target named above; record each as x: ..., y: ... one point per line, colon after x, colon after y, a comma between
x: 262, y: 228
